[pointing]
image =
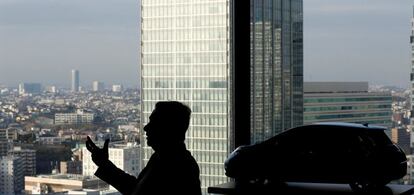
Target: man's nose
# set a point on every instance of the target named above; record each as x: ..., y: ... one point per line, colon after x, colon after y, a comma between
x: 146, y: 127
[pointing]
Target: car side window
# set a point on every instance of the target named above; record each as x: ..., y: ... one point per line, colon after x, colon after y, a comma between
x: 366, y: 145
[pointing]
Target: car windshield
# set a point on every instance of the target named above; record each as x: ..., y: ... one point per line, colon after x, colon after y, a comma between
x: 379, y: 138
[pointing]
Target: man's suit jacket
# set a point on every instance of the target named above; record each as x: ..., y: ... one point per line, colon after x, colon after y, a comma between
x: 172, y: 171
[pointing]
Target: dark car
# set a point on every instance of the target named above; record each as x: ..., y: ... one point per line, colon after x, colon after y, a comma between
x: 360, y: 155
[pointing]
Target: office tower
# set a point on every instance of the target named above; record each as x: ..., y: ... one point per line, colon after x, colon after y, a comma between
x: 30, y: 88
x: 11, y: 175
x: 75, y: 81
x: 28, y: 157
x: 346, y: 102
x: 117, y: 88
x: 97, y: 86
x: 124, y: 156
x: 193, y: 51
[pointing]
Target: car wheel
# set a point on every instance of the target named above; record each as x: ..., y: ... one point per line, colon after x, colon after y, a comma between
x: 363, y: 186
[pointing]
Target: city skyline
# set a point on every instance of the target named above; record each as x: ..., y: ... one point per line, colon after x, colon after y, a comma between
x: 99, y: 38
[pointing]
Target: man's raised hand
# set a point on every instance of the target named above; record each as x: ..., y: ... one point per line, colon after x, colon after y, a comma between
x: 99, y: 156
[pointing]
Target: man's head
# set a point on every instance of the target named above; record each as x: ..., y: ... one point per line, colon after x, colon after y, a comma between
x: 168, y: 123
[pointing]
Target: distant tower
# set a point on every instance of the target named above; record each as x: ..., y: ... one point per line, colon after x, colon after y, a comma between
x: 75, y: 80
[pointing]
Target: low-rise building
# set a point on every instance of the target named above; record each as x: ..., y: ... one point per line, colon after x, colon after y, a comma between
x: 44, y: 184
x: 74, y: 118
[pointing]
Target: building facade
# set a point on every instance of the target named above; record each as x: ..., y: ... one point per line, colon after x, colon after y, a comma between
x: 402, y: 137
x: 75, y: 81
x: 276, y: 77
x: 5, y: 146
x: 346, y: 102
x: 11, y: 175
x: 30, y: 88
x: 98, y: 86
x: 28, y: 158
x: 117, y: 88
x: 71, y: 167
x: 73, y: 118
x: 187, y: 56
x: 8, y: 134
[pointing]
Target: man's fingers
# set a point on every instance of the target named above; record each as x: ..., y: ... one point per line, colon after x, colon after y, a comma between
x: 90, y: 145
x: 105, y: 147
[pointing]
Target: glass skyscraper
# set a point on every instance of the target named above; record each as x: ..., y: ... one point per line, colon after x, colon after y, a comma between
x: 186, y: 55
x: 75, y: 81
x: 276, y: 58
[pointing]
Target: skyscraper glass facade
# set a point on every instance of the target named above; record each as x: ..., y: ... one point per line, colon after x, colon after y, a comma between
x: 276, y: 56
x: 186, y: 56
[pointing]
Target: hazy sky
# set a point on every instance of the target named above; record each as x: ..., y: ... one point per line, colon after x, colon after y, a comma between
x: 345, y: 40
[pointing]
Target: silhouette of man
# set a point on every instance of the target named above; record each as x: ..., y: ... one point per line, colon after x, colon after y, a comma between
x: 171, y: 169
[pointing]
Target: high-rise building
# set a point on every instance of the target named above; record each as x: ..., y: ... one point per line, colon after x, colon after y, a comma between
x: 11, y: 175
x: 189, y: 53
x: 75, y: 81
x: 97, y: 86
x: 28, y: 158
x: 30, y: 88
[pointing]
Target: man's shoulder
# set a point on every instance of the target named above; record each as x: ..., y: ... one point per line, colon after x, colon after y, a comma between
x: 179, y: 159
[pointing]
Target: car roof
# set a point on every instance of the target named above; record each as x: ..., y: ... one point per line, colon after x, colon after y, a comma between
x: 349, y: 125
x: 342, y: 126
